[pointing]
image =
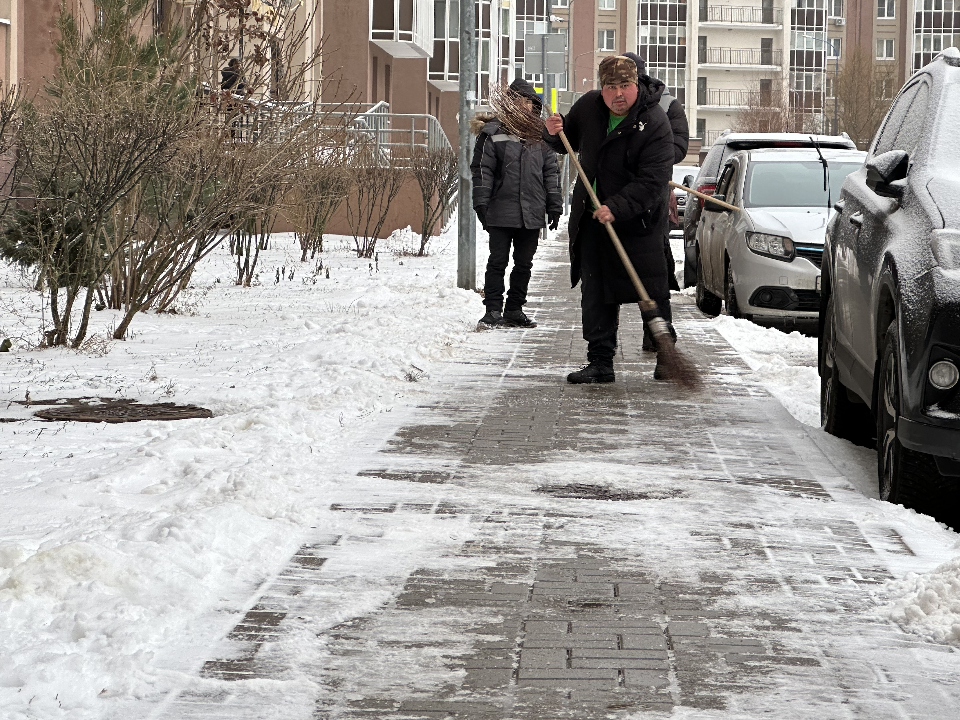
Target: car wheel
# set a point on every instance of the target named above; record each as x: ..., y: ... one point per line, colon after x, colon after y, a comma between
x: 689, y: 270
x: 907, y: 477
x: 839, y: 415
x: 733, y: 308
x: 707, y: 303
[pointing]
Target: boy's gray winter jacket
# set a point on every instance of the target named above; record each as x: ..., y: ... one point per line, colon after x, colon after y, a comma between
x: 515, y: 183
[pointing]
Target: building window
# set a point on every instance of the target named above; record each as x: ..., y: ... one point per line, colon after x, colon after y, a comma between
x: 607, y: 39
x: 885, y: 49
x: 886, y: 8
x: 835, y: 8
x: 833, y: 47
x: 561, y: 3
x: 608, y: 4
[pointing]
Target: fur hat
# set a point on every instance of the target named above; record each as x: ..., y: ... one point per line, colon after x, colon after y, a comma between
x: 617, y: 69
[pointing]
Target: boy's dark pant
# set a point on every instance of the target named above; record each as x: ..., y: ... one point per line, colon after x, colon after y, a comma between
x: 524, y: 246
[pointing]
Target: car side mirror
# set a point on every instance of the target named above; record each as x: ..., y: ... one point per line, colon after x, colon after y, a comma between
x: 688, y: 180
x: 887, y: 173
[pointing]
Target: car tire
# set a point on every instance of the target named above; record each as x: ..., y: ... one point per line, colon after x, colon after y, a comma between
x: 707, y: 303
x: 839, y: 415
x: 906, y: 477
x: 733, y: 307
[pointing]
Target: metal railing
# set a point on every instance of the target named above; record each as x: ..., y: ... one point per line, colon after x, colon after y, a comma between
x: 386, y: 138
x: 734, y: 98
x: 743, y: 15
x: 739, y: 56
x: 710, y: 137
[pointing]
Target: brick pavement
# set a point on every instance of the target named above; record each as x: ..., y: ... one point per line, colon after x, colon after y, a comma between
x: 731, y: 570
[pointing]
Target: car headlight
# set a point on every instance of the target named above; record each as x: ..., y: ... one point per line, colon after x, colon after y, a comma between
x: 946, y: 249
x: 774, y: 246
x: 944, y: 375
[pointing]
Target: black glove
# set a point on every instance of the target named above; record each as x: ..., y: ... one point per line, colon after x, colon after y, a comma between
x: 554, y: 220
x: 482, y: 216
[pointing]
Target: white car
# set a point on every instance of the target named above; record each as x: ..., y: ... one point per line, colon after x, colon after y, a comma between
x: 763, y: 260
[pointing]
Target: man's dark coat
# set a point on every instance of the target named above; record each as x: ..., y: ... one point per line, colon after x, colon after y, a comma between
x: 631, y: 166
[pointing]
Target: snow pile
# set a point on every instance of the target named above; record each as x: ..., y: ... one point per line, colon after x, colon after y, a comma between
x: 928, y: 604
x: 127, y: 550
x: 785, y: 364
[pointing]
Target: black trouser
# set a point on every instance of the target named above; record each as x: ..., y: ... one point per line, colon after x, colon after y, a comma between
x: 524, y: 246
x: 601, y: 319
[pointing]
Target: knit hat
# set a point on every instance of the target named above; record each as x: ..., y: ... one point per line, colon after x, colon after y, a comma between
x: 641, y: 63
x: 617, y: 69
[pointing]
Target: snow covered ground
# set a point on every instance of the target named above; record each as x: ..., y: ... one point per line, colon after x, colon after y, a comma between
x: 119, y: 543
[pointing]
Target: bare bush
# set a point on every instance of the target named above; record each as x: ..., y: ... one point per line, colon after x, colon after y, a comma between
x: 321, y: 185
x: 378, y: 177
x: 437, y: 175
x: 764, y: 110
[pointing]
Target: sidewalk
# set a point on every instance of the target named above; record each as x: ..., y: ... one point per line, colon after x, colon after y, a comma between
x: 532, y: 549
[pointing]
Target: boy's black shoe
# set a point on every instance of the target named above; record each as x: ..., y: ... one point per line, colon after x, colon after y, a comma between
x: 592, y: 373
x: 516, y: 318
x: 493, y: 319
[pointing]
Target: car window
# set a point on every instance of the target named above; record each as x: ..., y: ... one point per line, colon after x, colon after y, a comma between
x: 724, y: 182
x: 946, y: 159
x: 895, y: 117
x: 794, y: 184
x: 912, y: 128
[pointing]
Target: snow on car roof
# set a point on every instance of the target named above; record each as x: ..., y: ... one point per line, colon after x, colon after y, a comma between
x: 782, y: 154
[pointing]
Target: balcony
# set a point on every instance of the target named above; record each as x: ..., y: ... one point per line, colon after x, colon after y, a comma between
x: 404, y: 21
x: 741, y: 15
x: 740, y: 57
x: 731, y: 99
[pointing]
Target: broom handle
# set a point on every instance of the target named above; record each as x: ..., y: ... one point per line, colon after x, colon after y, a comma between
x: 703, y: 196
x: 646, y: 303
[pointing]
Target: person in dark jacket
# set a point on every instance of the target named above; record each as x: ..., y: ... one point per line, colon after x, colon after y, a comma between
x: 625, y: 145
x: 681, y: 141
x: 516, y: 185
x: 231, y: 77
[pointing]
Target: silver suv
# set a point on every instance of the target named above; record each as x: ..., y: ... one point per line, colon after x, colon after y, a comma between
x: 763, y: 261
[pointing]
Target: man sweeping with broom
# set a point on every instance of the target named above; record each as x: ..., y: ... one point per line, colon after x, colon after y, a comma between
x: 625, y: 145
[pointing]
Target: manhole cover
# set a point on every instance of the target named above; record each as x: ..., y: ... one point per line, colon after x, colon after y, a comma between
x: 584, y: 491
x: 117, y: 411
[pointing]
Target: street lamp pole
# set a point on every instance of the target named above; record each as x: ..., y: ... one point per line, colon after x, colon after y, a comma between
x: 467, y: 226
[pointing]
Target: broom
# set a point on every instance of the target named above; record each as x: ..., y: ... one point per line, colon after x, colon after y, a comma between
x: 679, y: 369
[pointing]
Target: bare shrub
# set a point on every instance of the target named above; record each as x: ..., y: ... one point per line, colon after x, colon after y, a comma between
x: 321, y: 184
x: 437, y: 175
x: 378, y: 177
x: 764, y: 110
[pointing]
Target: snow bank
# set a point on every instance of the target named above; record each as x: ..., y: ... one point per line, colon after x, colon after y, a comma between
x: 126, y: 551
x: 785, y: 364
x: 928, y: 604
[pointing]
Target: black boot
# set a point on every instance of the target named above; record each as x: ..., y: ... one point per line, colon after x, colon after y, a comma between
x: 593, y: 373
x: 517, y: 318
x: 493, y: 319
x: 648, y: 344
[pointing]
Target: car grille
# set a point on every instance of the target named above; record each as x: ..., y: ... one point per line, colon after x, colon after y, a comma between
x: 809, y: 300
x: 812, y: 253
x: 781, y: 298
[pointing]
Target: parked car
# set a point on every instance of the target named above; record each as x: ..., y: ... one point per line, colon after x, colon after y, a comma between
x: 763, y: 261
x: 890, y: 324
x: 680, y: 172
x: 706, y: 180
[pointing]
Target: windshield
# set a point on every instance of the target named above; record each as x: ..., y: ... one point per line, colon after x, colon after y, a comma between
x: 681, y: 171
x: 794, y: 184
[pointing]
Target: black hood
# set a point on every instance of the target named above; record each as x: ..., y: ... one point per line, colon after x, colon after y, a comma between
x: 522, y: 87
x: 651, y: 90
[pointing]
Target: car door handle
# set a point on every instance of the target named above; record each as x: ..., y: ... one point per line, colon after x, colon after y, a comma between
x: 857, y: 219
